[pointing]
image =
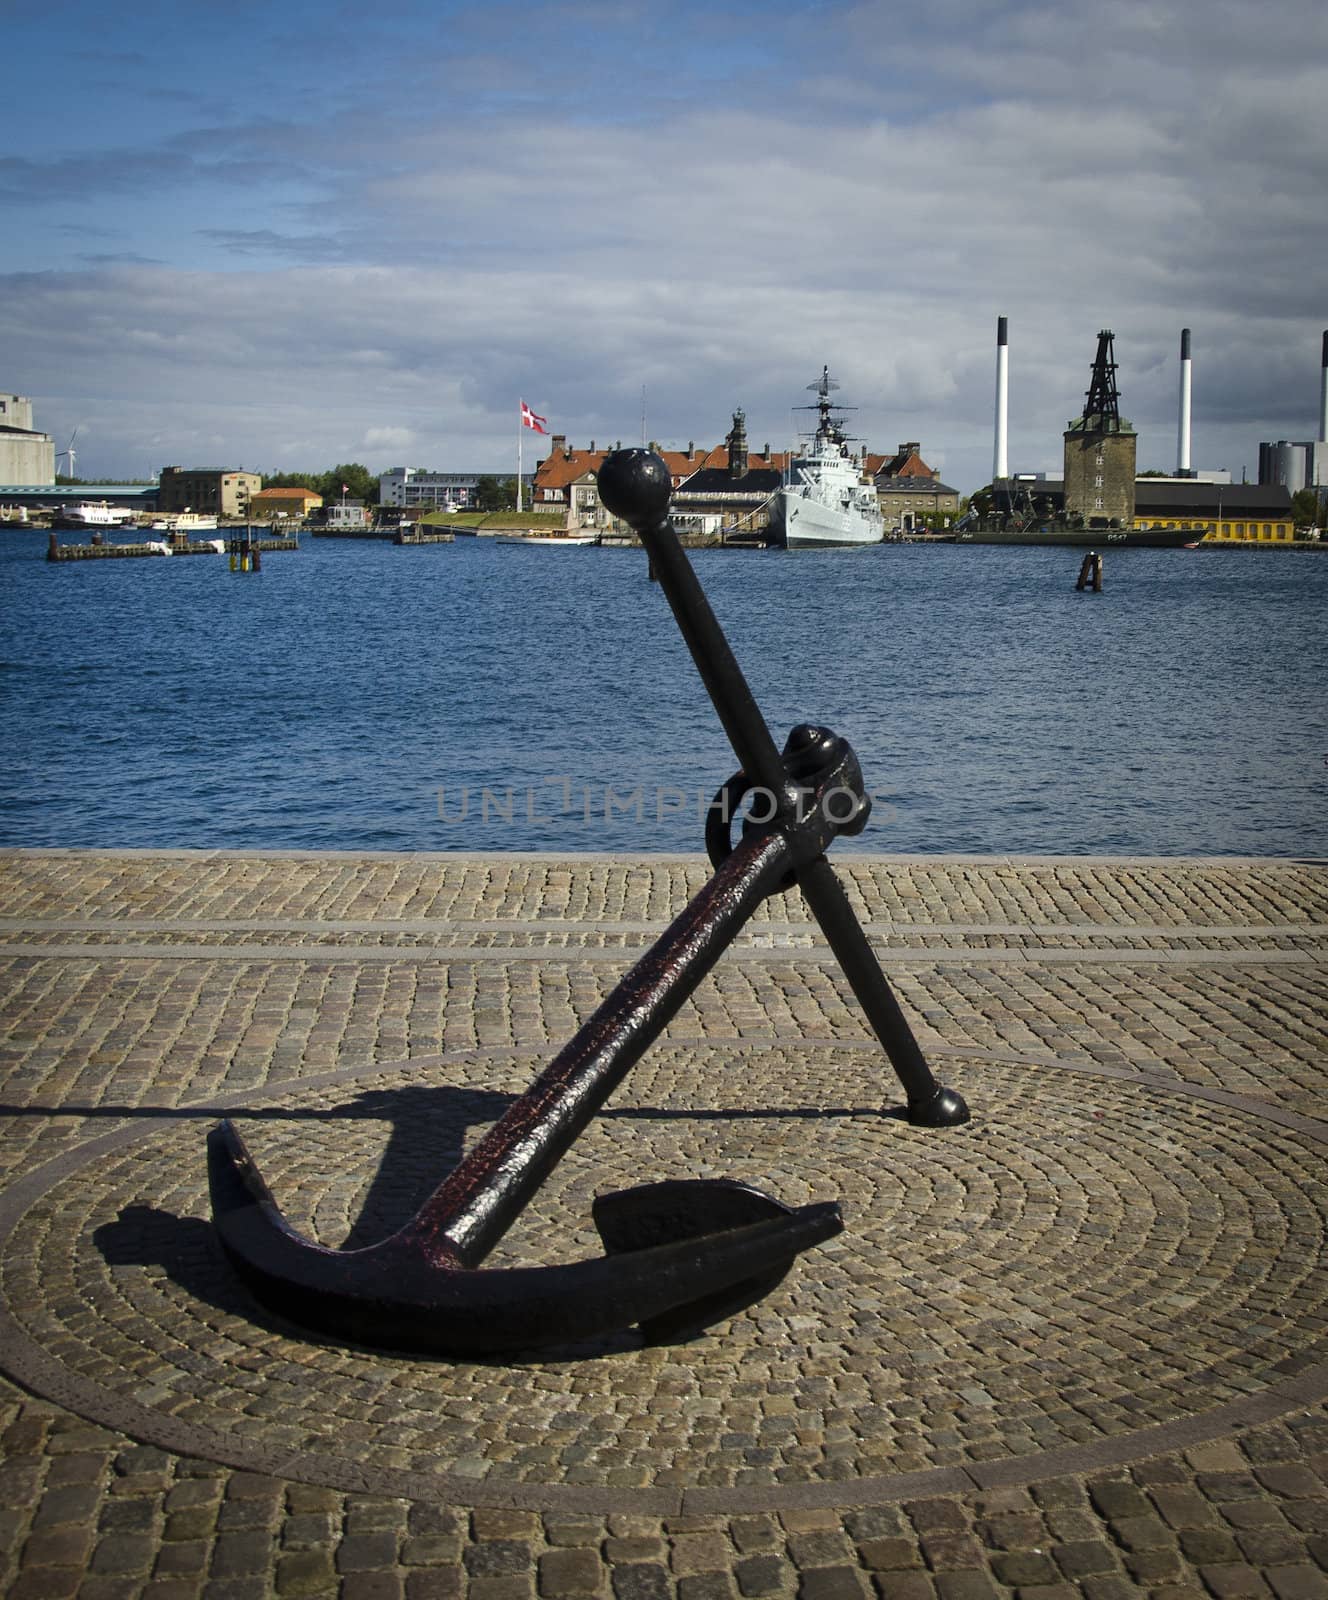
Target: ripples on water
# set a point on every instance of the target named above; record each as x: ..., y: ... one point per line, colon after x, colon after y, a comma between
x: 476, y: 696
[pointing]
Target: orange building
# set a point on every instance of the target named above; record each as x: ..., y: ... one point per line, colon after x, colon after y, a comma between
x: 272, y: 505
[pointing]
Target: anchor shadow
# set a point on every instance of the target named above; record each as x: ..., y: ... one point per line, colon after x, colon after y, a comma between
x: 427, y: 1140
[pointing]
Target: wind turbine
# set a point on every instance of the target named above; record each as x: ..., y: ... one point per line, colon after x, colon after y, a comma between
x: 69, y: 451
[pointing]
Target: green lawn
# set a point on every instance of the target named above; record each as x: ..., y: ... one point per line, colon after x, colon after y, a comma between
x: 495, y: 519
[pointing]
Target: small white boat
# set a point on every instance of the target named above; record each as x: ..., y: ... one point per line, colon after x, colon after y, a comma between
x: 547, y: 538
x: 184, y: 522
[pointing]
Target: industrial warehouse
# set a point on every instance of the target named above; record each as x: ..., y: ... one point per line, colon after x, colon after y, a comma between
x: 1101, y: 498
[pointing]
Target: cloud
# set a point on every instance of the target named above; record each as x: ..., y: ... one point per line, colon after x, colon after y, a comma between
x: 392, y: 440
x: 741, y: 199
x: 266, y: 242
x: 119, y: 258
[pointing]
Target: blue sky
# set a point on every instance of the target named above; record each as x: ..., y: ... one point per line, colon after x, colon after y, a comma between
x: 279, y: 237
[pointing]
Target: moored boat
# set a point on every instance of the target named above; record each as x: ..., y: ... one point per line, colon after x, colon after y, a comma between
x: 826, y: 503
x: 183, y: 522
x: 97, y: 514
x: 1085, y: 538
x: 563, y: 539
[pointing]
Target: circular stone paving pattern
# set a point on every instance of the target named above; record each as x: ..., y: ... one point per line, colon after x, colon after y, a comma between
x: 1092, y: 1256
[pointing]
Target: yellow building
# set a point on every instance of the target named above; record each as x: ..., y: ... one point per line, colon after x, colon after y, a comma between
x: 1241, y: 512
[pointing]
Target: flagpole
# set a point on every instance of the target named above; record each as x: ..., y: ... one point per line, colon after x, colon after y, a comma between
x: 527, y: 419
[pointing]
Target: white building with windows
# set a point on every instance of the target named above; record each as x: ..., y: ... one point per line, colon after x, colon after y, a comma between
x: 346, y: 514
x: 412, y: 488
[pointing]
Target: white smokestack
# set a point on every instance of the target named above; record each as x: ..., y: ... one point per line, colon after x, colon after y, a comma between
x: 1183, y: 425
x: 1323, y: 391
x: 1000, y: 467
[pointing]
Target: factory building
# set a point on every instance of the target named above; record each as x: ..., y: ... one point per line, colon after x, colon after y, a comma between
x: 1296, y: 465
x: 1213, y: 510
x: 26, y: 456
x: 1100, y: 486
x: 1302, y: 463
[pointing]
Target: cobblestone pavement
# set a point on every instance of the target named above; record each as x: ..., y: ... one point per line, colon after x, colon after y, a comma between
x: 1078, y: 1347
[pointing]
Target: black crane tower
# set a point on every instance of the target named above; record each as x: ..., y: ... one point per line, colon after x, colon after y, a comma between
x: 1102, y: 402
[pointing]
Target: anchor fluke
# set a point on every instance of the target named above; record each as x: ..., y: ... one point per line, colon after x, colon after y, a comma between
x: 409, y: 1292
x: 634, y: 1220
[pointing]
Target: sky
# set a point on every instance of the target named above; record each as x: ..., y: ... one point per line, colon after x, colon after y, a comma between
x: 281, y: 237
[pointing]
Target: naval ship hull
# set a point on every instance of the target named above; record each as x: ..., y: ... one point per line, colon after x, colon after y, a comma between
x: 797, y: 522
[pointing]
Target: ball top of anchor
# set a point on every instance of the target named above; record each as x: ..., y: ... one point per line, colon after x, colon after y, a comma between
x: 635, y: 485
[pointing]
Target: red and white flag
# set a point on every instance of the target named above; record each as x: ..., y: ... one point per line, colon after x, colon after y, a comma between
x: 530, y: 420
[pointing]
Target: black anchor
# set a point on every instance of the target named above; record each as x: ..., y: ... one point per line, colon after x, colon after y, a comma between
x: 680, y: 1254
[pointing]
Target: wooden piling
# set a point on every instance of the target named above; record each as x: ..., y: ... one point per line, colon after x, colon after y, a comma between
x: 1090, y: 573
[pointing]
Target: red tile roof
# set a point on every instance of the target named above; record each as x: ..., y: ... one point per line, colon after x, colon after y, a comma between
x: 565, y: 466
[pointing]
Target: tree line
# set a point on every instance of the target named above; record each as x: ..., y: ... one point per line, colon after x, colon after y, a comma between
x: 359, y: 483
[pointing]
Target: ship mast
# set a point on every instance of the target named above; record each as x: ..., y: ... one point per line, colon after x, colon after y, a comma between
x: 828, y: 428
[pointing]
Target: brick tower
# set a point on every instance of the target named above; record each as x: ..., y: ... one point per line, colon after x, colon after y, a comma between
x: 1099, y: 452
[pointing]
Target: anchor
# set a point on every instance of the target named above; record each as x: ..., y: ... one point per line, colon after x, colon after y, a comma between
x: 680, y: 1254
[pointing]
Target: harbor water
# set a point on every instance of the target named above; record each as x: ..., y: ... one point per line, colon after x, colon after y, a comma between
x: 480, y: 696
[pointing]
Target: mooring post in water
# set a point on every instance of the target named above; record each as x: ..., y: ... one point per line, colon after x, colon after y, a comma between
x: 1090, y: 573
x: 52, y: 545
x: 679, y: 1254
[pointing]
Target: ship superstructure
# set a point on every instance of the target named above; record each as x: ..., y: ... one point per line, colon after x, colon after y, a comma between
x: 826, y: 502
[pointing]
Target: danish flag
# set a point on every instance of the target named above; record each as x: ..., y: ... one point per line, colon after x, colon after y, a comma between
x: 530, y: 420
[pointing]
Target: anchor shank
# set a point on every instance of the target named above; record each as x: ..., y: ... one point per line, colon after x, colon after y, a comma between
x: 732, y: 698
x: 472, y: 1209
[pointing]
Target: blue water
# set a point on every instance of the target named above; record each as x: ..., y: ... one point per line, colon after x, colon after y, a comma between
x: 479, y: 696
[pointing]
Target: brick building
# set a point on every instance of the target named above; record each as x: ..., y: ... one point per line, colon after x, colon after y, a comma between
x: 206, y: 489
x: 719, y: 485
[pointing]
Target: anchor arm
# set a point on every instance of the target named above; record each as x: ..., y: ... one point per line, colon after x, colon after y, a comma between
x: 930, y: 1104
